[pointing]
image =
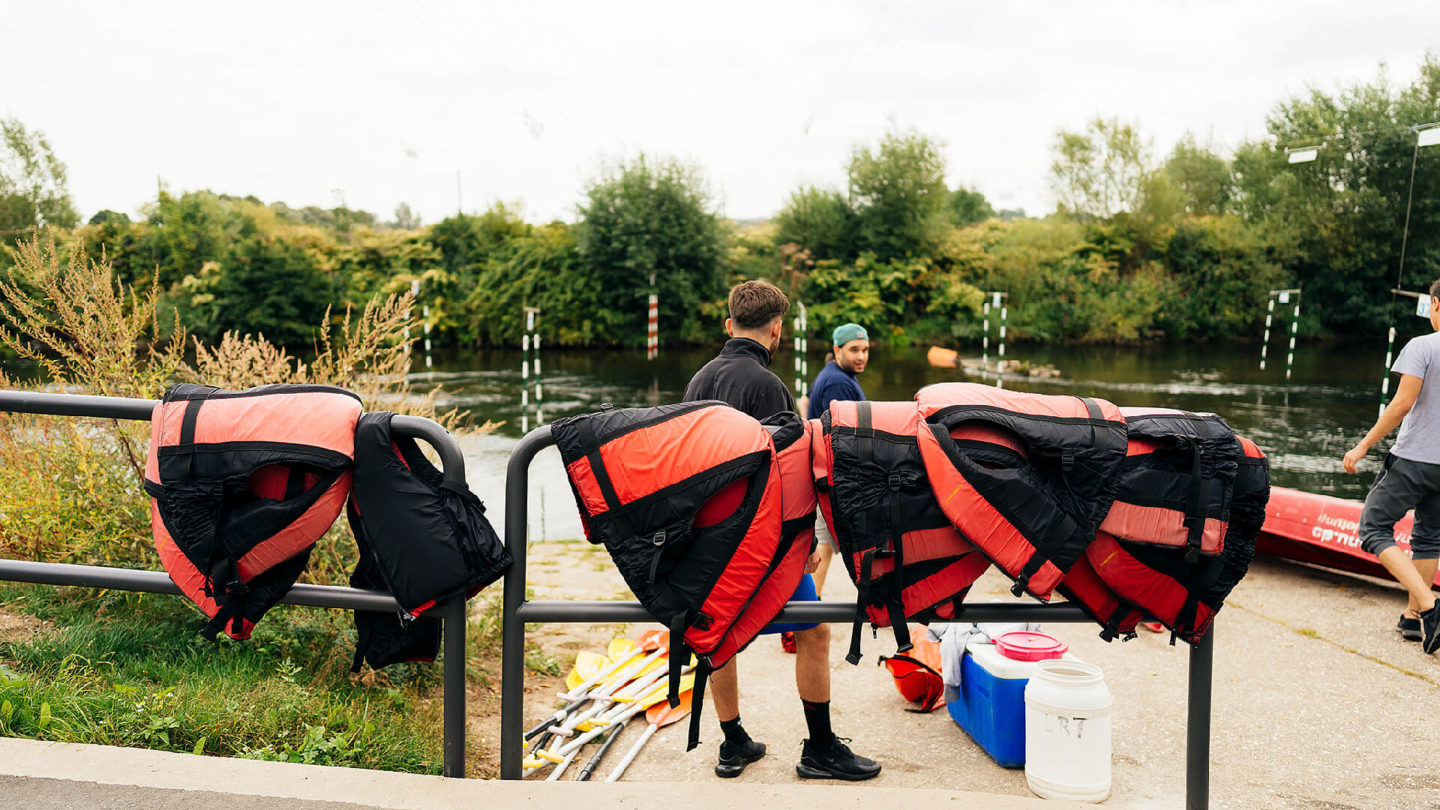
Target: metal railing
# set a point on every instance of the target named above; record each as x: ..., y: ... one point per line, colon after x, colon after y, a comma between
x: 452, y: 613
x: 518, y: 611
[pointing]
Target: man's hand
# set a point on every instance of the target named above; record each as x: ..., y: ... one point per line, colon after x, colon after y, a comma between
x: 1354, y: 456
x: 812, y: 563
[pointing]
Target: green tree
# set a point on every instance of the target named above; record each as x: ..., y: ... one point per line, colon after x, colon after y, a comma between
x: 649, y: 217
x: 32, y: 183
x: 899, y: 196
x: 1101, y: 171
x: 1204, y: 179
x: 819, y: 220
x: 266, y: 286
x: 967, y: 207
x: 1337, y: 223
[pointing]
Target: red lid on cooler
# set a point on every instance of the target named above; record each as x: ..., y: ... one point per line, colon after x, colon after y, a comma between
x: 1023, y: 645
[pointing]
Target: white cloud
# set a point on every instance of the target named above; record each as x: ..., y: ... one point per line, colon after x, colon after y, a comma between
x: 388, y: 102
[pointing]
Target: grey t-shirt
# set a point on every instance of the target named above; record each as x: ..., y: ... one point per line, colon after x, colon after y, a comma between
x: 1419, y: 438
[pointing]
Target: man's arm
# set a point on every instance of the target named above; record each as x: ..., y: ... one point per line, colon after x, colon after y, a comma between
x: 1390, y: 418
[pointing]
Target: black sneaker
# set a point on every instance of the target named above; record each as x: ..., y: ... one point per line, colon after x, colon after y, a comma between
x: 1430, y: 629
x: 734, y: 758
x: 835, y: 761
x: 1408, y: 628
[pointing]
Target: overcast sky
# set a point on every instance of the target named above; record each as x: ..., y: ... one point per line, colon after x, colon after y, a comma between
x: 383, y: 103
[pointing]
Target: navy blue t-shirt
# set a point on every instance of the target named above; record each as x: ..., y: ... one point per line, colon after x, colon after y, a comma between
x: 833, y: 384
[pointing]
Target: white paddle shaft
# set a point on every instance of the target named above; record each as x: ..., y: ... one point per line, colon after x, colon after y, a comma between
x: 632, y: 753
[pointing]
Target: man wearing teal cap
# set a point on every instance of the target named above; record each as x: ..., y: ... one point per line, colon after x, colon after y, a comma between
x: 836, y: 382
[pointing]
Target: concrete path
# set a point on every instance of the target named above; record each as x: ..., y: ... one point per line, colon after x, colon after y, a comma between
x: 48, y: 776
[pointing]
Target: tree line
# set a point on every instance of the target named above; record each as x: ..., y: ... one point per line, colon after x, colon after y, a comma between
x: 1141, y: 247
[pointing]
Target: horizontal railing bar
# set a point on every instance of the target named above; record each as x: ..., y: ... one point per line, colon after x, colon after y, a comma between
x: 563, y: 611
x: 128, y: 579
x: 76, y: 405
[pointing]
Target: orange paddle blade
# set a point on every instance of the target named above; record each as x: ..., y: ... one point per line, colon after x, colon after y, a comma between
x: 661, y: 714
x: 652, y: 640
x: 943, y: 358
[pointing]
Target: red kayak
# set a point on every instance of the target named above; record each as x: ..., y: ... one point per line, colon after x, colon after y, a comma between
x: 1322, y: 530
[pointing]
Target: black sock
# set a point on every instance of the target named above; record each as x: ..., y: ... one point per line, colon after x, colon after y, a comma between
x: 817, y: 719
x: 734, y: 734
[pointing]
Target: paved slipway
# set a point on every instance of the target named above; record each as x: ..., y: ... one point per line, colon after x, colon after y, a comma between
x: 1318, y: 702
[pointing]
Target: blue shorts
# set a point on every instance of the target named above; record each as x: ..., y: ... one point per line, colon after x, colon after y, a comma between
x: 804, y: 592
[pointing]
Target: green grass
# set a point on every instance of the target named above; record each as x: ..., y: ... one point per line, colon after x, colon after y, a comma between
x: 129, y: 669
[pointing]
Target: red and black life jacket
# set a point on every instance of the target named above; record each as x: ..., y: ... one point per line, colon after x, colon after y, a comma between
x: 1033, y: 512
x: 687, y: 500
x: 421, y: 539
x: 1191, y: 501
x: 899, y: 547
x: 242, y: 484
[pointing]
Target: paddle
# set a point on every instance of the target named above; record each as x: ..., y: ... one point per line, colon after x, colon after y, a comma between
x: 590, y: 671
x: 594, y: 762
x: 645, y: 643
x: 659, y: 715
x: 601, y: 694
x: 635, y: 708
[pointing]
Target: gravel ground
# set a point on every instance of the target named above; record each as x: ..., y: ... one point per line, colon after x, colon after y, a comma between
x: 1318, y: 702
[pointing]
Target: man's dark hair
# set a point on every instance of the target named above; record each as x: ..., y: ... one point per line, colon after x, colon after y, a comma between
x: 1434, y: 289
x: 754, y: 304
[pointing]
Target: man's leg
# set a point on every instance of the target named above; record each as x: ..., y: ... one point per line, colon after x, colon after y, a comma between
x: 725, y: 691
x: 1399, y: 487
x: 812, y: 663
x: 1426, y: 569
x: 737, y: 749
x: 823, y: 756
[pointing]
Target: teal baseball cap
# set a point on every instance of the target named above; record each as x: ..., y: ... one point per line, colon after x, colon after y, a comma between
x: 845, y: 333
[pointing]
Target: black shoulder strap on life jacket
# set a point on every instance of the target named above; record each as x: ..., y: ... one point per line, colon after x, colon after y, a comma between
x: 893, y: 548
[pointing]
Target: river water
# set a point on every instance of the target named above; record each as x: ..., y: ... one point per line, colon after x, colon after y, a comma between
x: 1304, y: 424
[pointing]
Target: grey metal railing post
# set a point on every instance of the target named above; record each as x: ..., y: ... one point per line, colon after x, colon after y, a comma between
x: 453, y: 613
x: 1197, y: 726
x: 512, y: 648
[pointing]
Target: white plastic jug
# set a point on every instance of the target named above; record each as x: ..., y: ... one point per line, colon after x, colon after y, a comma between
x: 1067, y: 731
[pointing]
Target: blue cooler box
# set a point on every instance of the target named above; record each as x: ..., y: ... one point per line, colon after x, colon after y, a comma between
x: 991, y: 704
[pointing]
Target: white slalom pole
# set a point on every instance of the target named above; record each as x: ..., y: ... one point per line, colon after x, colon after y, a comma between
x: 804, y: 349
x: 1000, y: 365
x: 1385, y: 381
x: 985, y: 344
x: 1265, y: 342
x: 1294, y: 329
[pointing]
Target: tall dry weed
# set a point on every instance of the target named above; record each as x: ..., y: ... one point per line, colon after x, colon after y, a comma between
x: 70, y: 489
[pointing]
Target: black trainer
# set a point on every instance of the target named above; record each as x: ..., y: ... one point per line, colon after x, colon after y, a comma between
x: 734, y: 758
x: 835, y: 761
x: 1408, y: 628
x: 1430, y: 628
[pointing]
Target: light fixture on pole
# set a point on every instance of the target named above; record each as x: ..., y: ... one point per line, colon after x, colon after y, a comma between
x: 1302, y: 154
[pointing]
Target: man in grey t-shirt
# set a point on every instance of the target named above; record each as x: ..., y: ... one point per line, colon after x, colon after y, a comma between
x: 1409, y: 480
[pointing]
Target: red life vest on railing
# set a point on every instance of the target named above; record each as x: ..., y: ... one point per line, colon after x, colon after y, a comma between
x: 899, y: 548
x: 242, y: 484
x: 1031, y: 513
x: 687, y: 499
x: 1201, y: 493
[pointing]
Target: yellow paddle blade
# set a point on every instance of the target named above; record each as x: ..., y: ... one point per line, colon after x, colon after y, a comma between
x: 619, y: 648
x: 587, y: 666
x: 531, y: 763
x: 545, y: 754
x: 662, y: 690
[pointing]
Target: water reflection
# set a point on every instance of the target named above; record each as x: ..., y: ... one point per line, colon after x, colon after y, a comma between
x: 1304, y: 426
